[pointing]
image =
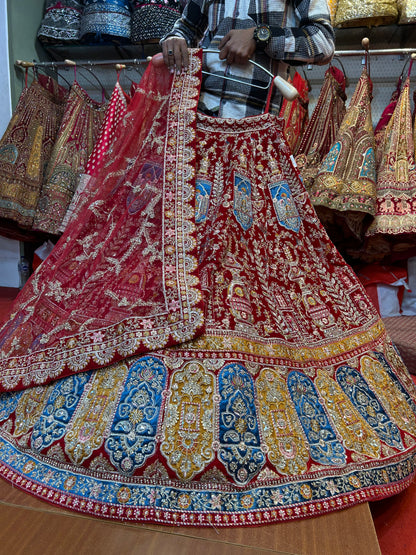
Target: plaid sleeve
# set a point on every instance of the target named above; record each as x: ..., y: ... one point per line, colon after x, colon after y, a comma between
x: 307, y: 37
x: 192, y: 23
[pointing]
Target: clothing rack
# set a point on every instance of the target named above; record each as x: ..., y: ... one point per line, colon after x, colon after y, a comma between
x: 67, y: 63
x: 120, y: 63
x: 376, y: 52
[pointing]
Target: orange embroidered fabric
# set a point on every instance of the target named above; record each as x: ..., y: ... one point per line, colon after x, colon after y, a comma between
x: 87, y: 185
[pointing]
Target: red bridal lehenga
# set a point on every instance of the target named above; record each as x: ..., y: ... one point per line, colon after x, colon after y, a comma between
x: 195, y: 351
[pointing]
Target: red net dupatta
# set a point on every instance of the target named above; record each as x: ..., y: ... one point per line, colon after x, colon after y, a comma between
x: 123, y: 278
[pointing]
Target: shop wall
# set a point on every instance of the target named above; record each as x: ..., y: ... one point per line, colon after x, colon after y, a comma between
x: 9, y: 249
x: 19, y: 21
x: 23, y: 17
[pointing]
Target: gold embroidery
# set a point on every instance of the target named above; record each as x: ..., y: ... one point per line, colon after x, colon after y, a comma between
x: 282, y: 432
x: 189, y: 421
x: 357, y: 435
x: 94, y: 413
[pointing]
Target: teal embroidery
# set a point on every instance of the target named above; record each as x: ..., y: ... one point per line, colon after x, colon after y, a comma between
x: 202, y: 196
x: 368, y: 405
x: 132, y: 438
x: 239, y: 434
x: 284, y: 206
x: 243, y: 208
x: 324, y: 445
x: 61, y: 405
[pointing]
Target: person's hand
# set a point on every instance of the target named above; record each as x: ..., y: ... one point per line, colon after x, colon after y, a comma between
x: 238, y: 46
x: 175, y: 54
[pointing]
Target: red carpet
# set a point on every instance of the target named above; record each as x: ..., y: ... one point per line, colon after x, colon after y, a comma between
x: 393, y: 516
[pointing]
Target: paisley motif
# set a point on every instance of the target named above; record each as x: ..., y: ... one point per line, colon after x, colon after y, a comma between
x: 389, y: 394
x: 94, y: 413
x: 133, y: 434
x: 282, y: 432
x: 29, y: 408
x: 58, y: 411
x: 357, y: 435
x: 240, y: 446
x: 8, y: 403
x: 188, y: 433
x: 324, y: 445
x: 364, y: 399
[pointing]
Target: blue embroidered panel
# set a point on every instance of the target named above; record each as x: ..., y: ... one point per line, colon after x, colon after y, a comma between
x: 58, y: 411
x: 239, y: 436
x: 9, y: 154
x: 395, y: 379
x: 132, y: 437
x: 324, y: 445
x: 368, y: 169
x: 243, y: 208
x: 284, y: 206
x: 368, y: 405
x: 330, y: 160
x: 8, y: 403
x: 202, y: 196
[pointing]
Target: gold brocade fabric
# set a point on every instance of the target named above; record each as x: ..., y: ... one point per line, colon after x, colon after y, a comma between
x: 343, y: 191
x: 396, y: 180
x: 220, y: 364
x: 407, y: 11
x: 323, y: 126
x: 26, y: 146
x: 369, y: 13
x: 332, y: 5
x: 79, y: 130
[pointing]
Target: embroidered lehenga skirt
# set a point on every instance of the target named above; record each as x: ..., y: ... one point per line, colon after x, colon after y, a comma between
x: 195, y: 351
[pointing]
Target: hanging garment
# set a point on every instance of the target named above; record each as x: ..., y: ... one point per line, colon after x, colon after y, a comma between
x: 295, y: 112
x: 87, y: 185
x: 280, y: 395
x: 380, y: 129
x: 332, y: 5
x: 368, y: 13
x: 106, y: 20
x: 343, y: 191
x: 26, y: 146
x: 396, y: 180
x: 323, y: 126
x: 407, y: 11
x: 77, y: 135
x: 61, y: 21
x: 152, y: 19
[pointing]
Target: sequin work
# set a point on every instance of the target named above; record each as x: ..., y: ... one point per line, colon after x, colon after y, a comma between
x: 291, y: 401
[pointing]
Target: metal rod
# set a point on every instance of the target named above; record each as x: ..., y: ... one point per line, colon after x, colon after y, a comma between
x: 61, y: 64
x: 375, y: 52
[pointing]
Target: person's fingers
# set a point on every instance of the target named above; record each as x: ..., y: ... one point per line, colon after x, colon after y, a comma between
x: 175, y: 54
x: 185, y: 55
